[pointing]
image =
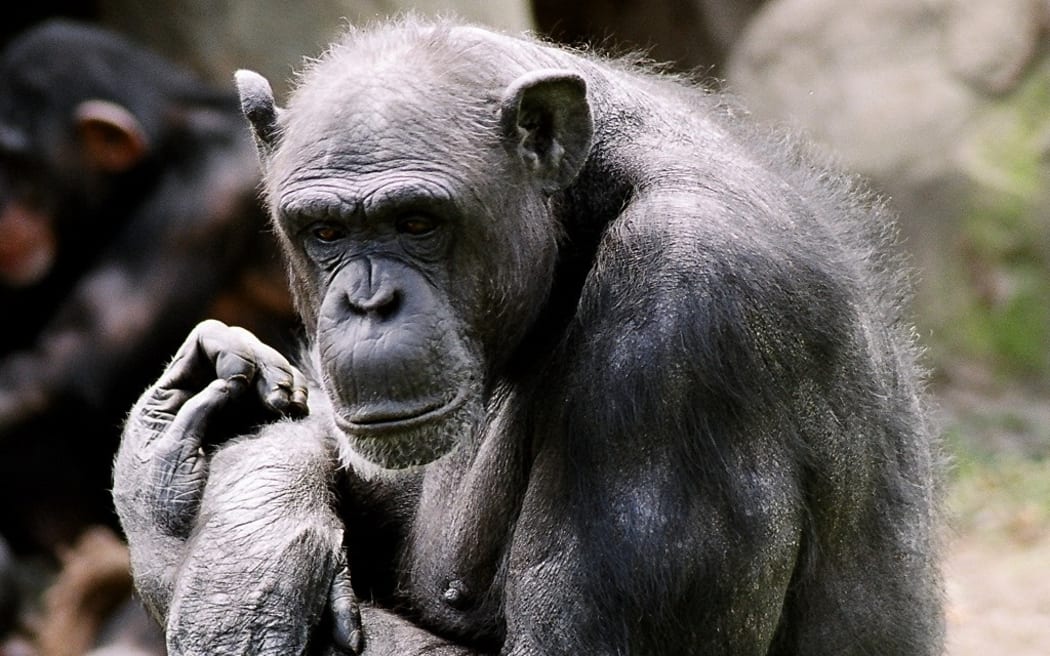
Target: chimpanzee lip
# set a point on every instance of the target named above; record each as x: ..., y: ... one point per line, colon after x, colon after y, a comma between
x: 397, y: 418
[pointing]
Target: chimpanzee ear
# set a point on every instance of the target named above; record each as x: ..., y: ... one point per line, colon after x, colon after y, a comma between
x: 546, y: 123
x: 110, y: 136
x: 260, y: 109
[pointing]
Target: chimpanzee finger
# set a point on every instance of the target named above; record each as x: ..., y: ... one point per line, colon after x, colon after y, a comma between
x: 236, y: 352
x: 283, y: 391
x: 191, y: 422
x: 212, y: 350
x: 346, y: 617
x: 280, y: 385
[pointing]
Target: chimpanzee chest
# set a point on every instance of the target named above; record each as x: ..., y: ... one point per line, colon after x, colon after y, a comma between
x: 454, y: 569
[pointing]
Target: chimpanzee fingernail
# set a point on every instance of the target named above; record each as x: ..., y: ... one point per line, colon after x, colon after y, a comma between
x: 237, y: 383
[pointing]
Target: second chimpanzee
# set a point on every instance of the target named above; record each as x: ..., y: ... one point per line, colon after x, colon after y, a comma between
x: 128, y: 213
x: 607, y: 372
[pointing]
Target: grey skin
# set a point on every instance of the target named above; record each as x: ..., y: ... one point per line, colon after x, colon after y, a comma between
x: 595, y: 368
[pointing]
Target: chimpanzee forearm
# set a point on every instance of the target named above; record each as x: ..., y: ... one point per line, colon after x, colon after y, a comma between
x: 258, y: 569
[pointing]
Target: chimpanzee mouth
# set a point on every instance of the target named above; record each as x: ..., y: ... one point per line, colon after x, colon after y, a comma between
x: 377, y: 419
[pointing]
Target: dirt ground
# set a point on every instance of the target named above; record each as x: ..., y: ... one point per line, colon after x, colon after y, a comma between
x: 998, y: 556
x: 998, y: 597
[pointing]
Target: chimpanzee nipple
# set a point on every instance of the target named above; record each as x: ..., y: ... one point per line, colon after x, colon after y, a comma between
x: 456, y: 594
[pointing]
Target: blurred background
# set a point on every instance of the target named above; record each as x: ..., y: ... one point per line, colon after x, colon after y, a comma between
x: 943, y: 105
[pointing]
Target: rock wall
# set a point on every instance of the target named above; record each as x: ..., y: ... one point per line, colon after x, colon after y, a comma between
x: 945, y: 105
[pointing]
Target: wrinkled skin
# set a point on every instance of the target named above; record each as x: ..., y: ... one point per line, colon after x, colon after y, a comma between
x: 596, y: 369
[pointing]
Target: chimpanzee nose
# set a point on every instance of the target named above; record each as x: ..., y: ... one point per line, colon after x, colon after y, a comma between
x: 383, y: 302
x: 373, y: 291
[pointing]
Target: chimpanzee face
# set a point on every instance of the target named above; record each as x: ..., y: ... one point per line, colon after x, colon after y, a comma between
x: 421, y: 246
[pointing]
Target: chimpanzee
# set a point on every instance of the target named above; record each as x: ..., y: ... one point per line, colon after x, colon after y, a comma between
x: 596, y: 368
x: 128, y: 213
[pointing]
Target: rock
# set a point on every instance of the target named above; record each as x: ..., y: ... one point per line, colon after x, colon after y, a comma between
x: 989, y: 44
x: 945, y: 106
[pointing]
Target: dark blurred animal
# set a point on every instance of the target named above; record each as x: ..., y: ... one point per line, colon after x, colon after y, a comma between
x: 597, y: 369
x: 688, y: 34
x: 128, y: 213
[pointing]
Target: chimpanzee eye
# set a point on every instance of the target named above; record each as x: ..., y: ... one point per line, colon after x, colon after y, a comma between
x: 328, y: 233
x: 415, y: 225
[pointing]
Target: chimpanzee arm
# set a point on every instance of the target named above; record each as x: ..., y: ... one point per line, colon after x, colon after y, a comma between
x: 264, y: 565
x: 160, y: 470
x: 242, y: 552
x: 265, y: 557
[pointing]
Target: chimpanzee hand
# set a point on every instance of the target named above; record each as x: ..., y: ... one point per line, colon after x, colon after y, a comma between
x: 161, y: 469
x: 243, y: 551
x: 167, y: 426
